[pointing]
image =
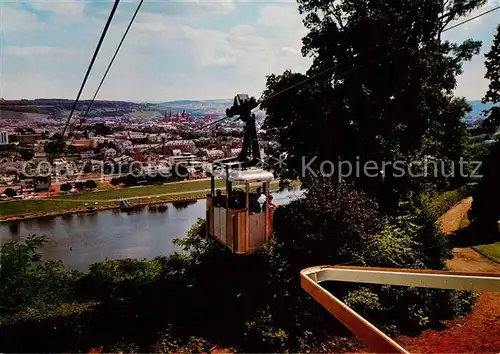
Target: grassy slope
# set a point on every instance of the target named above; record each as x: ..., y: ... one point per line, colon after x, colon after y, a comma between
x: 491, y: 250
x: 144, y: 191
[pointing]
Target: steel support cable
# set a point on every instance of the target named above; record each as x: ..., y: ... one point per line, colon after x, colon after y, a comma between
x: 89, y: 69
x: 112, y: 61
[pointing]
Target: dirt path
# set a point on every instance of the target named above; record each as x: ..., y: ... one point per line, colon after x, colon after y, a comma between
x: 478, y: 332
x: 452, y: 219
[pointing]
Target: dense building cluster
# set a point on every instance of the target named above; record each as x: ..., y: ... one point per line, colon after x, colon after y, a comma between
x: 31, y: 147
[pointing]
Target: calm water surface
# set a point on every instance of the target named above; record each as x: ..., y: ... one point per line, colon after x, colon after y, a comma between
x: 82, y: 239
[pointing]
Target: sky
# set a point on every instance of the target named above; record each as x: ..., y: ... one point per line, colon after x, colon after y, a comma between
x: 176, y: 49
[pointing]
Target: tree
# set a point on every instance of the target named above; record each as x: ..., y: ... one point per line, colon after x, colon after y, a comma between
x: 380, y: 89
x: 331, y: 224
x: 54, y: 149
x: 26, y: 153
x: 101, y: 129
x: 90, y: 184
x: 179, y: 170
x: 80, y: 185
x: 72, y: 150
x: 9, y: 192
x: 130, y: 180
x: 66, y: 187
x: 487, y: 193
x: 115, y: 181
x: 493, y: 75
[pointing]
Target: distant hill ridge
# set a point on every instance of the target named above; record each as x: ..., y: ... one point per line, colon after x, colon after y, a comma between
x: 197, y: 102
x: 478, y: 107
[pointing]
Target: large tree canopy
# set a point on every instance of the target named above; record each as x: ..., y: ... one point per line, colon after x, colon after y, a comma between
x: 493, y: 75
x: 488, y: 191
x: 380, y: 89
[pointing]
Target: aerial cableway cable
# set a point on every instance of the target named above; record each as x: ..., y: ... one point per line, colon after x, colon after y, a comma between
x: 113, y: 59
x: 357, y: 67
x: 96, y: 51
x: 350, y: 70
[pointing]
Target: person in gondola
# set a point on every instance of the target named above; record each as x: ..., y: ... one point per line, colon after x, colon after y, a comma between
x: 272, y: 206
x: 219, y: 200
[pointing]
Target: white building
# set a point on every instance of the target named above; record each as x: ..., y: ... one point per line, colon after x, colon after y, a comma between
x: 4, y: 138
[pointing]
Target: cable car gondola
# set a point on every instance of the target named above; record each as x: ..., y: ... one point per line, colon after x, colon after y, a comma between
x: 234, y: 219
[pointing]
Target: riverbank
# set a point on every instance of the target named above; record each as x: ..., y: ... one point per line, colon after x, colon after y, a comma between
x: 105, y: 200
x: 100, y: 207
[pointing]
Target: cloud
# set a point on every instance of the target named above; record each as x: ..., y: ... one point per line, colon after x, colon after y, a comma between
x: 66, y: 8
x: 472, y: 83
x: 31, y: 50
x: 14, y: 20
x: 175, y: 49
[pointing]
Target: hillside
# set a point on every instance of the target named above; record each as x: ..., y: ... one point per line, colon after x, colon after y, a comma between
x: 477, y: 111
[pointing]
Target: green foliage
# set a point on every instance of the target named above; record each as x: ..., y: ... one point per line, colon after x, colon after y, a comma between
x: 444, y: 201
x: 363, y: 300
x: 119, y: 270
x: 493, y: 75
x: 101, y: 129
x: 90, y: 184
x: 29, y: 282
x: 179, y: 170
x: 337, y: 224
x: 401, y: 109
x: 170, y: 343
x: 479, y: 152
x: 54, y: 149
x: 130, y: 180
x: 487, y: 192
x: 66, y: 187
x: 26, y: 153
x: 397, y: 99
x: 80, y: 185
x: 9, y: 192
x: 482, y: 214
x: 196, y: 243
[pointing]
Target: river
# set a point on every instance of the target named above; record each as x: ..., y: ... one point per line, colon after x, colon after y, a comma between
x: 84, y: 238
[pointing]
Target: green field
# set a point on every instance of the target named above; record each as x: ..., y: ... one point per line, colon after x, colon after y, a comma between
x: 491, y: 250
x: 153, y: 190
x: 108, y: 199
x: 40, y: 206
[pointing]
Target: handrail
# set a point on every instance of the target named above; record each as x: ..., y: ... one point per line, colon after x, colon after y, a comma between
x: 376, y: 340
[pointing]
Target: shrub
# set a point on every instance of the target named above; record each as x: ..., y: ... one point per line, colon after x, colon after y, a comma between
x: 66, y: 187
x: 179, y: 170
x: 9, y: 192
x: 29, y: 282
x: 254, y: 301
x: 336, y: 224
x: 90, y: 184
x: 444, y: 201
x: 130, y: 180
x: 483, y: 213
x: 115, y: 181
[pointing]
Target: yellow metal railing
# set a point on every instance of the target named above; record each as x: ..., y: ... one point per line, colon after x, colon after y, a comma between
x: 376, y: 340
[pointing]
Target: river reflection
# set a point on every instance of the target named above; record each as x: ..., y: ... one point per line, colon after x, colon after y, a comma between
x: 82, y: 239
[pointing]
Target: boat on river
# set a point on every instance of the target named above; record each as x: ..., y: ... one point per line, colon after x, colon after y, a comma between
x: 126, y: 205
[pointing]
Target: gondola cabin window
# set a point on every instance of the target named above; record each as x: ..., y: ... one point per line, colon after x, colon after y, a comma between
x: 241, y: 218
